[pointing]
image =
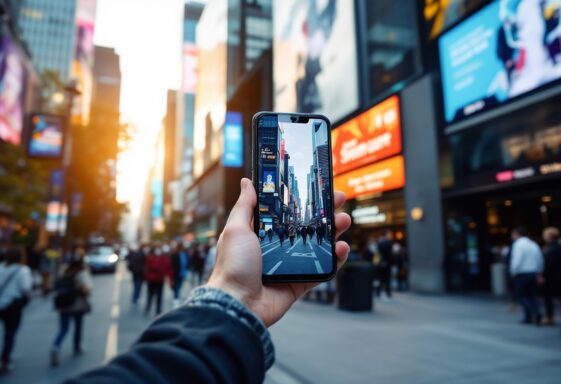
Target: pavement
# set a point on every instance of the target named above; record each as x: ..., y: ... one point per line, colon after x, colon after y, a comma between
x: 410, y: 339
x: 297, y: 258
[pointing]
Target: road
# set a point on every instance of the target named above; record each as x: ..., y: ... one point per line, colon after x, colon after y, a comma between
x: 299, y: 258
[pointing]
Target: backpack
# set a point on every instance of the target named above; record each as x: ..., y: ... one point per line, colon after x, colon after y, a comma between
x: 65, y: 289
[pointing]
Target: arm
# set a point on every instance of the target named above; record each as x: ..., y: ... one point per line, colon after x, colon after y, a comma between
x: 515, y: 259
x: 212, y: 338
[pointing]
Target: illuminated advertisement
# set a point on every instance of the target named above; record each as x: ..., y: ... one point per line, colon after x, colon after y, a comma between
x: 383, y: 176
x: 315, y: 67
x: 210, y: 103
x: 82, y: 65
x: 189, y: 68
x: 233, y: 140
x: 369, y: 137
x: 46, y: 136
x: 268, y: 182
x: 507, y: 49
x: 441, y: 14
x: 12, y: 77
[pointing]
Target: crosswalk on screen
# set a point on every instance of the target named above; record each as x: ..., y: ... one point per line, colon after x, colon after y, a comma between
x: 295, y: 196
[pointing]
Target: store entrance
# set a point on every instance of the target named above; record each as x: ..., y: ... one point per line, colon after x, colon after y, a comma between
x: 478, y: 229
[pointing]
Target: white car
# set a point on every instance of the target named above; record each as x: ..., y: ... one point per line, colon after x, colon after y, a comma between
x: 102, y: 258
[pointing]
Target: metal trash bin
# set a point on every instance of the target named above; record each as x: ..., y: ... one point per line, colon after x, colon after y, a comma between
x: 354, y: 286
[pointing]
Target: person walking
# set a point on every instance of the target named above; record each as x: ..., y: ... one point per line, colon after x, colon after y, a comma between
x: 200, y: 259
x: 71, y: 301
x: 320, y: 233
x: 135, y: 263
x: 262, y: 234
x: 15, y: 290
x: 270, y: 234
x: 385, y: 247
x: 179, y: 269
x: 310, y: 230
x: 281, y: 232
x: 304, y: 234
x: 552, y: 272
x: 156, y: 270
x: 291, y: 234
x: 526, y: 266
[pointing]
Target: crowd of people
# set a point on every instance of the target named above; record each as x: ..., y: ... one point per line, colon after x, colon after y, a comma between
x: 66, y: 278
x: 292, y: 232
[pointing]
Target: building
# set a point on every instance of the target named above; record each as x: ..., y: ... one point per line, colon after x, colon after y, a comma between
x: 49, y: 28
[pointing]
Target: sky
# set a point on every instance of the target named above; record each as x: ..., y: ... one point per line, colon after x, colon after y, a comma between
x: 147, y: 34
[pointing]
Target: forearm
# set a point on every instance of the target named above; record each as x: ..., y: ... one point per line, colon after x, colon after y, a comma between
x: 212, y: 338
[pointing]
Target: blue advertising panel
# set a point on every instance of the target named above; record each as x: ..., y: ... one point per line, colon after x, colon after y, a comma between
x: 269, y: 182
x: 46, y: 138
x: 507, y: 49
x: 233, y: 140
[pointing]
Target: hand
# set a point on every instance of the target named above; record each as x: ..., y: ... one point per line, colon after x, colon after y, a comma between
x: 239, y: 261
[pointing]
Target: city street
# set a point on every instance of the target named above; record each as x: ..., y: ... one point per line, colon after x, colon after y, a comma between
x: 299, y: 258
x: 413, y: 338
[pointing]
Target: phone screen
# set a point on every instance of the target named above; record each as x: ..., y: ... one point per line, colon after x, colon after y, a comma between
x: 293, y: 179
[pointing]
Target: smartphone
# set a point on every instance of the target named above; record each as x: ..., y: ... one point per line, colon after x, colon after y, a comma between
x: 293, y: 177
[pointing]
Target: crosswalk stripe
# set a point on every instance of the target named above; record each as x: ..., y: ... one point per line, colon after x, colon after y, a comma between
x: 268, y: 244
x: 318, y: 267
x: 277, y: 265
x: 272, y: 249
x: 295, y: 244
x: 324, y: 250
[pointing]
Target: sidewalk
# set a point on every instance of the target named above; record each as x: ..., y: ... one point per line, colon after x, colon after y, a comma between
x: 414, y: 339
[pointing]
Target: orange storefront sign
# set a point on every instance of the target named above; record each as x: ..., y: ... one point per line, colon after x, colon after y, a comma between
x: 369, y: 137
x: 379, y: 177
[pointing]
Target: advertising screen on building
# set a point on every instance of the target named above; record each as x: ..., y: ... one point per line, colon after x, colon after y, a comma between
x: 189, y: 68
x: 269, y: 182
x: 12, y: 78
x: 507, y: 49
x: 233, y: 140
x: 441, y: 14
x: 383, y: 176
x: 369, y: 137
x: 315, y: 67
x: 46, y: 136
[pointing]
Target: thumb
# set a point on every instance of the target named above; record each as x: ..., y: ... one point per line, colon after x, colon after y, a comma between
x: 242, y: 213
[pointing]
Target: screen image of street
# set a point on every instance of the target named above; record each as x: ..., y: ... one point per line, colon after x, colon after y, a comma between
x: 294, y: 192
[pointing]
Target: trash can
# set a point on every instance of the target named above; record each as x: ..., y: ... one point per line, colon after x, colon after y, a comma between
x: 354, y: 286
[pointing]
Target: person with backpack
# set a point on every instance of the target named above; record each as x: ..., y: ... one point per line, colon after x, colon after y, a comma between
x: 71, y: 301
x: 156, y: 270
x: 15, y: 290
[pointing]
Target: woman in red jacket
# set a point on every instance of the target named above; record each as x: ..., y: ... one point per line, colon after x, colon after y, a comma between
x: 156, y: 269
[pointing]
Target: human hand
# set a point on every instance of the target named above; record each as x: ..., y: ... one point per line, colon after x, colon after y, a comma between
x: 238, y: 265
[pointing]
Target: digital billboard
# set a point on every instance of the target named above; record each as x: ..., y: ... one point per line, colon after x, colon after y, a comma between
x: 441, y: 14
x: 12, y: 78
x: 315, y: 65
x: 371, y: 136
x: 505, y: 50
x: 190, y: 61
x: 269, y: 182
x: 46, y: 136
x: 233, y: 140
x: 379, y: 177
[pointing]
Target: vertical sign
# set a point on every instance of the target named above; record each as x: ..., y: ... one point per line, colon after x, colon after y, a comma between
x: 233, y: 140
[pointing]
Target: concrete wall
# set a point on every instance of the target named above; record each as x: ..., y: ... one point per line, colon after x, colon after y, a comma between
x: 425, y: 236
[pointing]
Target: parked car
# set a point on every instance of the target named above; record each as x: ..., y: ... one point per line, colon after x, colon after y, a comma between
x: 102, y: 258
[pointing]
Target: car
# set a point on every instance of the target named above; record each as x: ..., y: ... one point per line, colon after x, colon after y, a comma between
x: 102, y: 259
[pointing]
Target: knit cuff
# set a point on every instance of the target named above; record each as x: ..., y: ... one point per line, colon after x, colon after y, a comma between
x: 216, y: 298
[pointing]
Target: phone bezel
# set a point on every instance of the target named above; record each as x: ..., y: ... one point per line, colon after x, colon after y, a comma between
x: 300, y: 278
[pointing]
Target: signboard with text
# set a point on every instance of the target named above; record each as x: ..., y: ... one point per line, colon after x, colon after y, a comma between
x: 268, y: 154
x: 369, y: 137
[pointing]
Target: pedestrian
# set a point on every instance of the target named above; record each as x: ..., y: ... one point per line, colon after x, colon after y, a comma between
x: 304, y: 234
x: 220, y: 334
x: 291, y: 234
x: 526, y: 266
x: 320, y: 233
x: 199, y: 262
x: 385, y: 247
x: 135, y: 263
x: 15, y: 290
x: 270, y: 234
x: 552, y: 272
x: 156, y: 271
x: 71, y: 301
x: 262, y: 234
x: 310, y: 230
x: 281, y: 232
x: 179, y: 269
x: 402, y: 265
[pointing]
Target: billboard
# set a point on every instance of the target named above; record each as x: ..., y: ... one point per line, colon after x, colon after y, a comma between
x: 441, y: 14
x: 269, y: 182
x: 46, y: 136
x: 315, y: 61
x: 505, y: 50
x: 380, y: 177
x: 82, y: 65
x: 233, y: 140
x: 12, y: 78
x: 190, y: 61
x: 371, y: 136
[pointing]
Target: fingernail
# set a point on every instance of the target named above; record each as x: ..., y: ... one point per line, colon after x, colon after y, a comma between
x: 243, y: 183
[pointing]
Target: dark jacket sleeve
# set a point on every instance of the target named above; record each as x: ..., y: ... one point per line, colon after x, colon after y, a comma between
x: 189, y: 345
